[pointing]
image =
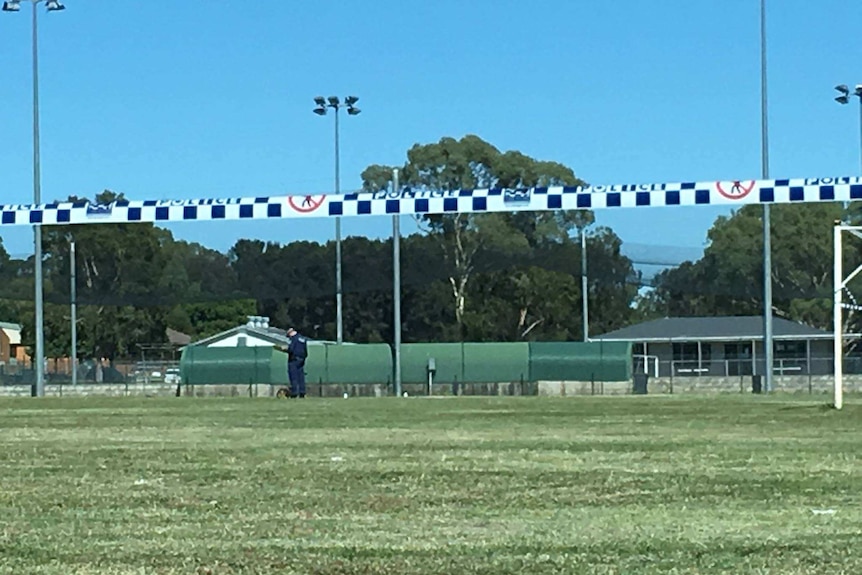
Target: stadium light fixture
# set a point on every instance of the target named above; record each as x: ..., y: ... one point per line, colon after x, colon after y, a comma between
x: 844, y: 98
x: 12, y: 6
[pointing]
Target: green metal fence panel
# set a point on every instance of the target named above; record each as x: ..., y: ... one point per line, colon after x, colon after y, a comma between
x: 278, y: 368
x: 579, y: 361
x: 362, y: 363
x: 496, y: 362
x: 448, y: 357
x: 315, y: 364
x: 232, y: 365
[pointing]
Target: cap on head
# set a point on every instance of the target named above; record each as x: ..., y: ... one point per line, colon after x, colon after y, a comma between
x: 291, y: 331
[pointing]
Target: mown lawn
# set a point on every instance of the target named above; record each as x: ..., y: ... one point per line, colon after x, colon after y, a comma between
x: 634, y: 485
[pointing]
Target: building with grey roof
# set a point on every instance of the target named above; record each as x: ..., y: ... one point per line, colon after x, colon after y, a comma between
x: 724, y: 346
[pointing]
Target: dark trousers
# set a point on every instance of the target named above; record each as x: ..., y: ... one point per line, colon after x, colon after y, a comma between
x: 296, y: 372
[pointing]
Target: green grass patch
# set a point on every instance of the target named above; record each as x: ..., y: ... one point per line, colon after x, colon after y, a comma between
x: 634, y: 485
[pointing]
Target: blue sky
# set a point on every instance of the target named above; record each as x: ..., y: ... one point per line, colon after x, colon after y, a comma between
x: 164, y: 100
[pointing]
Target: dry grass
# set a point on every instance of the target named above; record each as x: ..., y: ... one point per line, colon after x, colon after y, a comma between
x: 465, y: 485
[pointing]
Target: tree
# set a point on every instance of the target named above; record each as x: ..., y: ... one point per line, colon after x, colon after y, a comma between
x: 127, y: 280
x: 463, y: 238
x: 728, y: 279
x: 539, y: 297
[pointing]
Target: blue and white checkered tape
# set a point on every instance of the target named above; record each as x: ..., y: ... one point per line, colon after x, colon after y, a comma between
x: 409, y: 201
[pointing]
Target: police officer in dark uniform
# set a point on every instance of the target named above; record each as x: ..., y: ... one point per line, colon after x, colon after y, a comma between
x: 297, y: 351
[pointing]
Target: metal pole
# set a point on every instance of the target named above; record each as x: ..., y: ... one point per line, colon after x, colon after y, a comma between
x: 39, y: 390
x: 860, y: 130
x: 838, y: 339
x: 584, y: 291
x: 396, y: 291
x: 338, y: 297
x: 767, y: 225
x: 74, y: 299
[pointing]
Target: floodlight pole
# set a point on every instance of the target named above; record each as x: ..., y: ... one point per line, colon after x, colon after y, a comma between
x: 74, y: 304
x: 584, y: 288
x: 339, y: 310
x: 37, y: 229
x: 38, y: 389
x: 767, y: 225
x: 334, y: 103
x: 396, y: 291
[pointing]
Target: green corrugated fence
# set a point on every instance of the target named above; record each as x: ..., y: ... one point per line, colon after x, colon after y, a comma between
x: 466, y: 362
x: 344, y: 364
x: 455, y: 363
x: 234, y: 365
x: 350, y: 363
x: 579, y: 361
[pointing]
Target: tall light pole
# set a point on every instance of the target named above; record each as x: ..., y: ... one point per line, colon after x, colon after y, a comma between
x: 52, y: 6
x: 844, y: 98
x: 767, y: 227
x: 322, y: 105
x: 73, y: 298
x: 584, y: 287
x: 396, y: 288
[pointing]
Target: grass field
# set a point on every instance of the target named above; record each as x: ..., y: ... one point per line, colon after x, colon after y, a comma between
x: 633, y: 485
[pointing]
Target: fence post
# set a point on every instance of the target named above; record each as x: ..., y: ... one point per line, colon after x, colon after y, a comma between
x: 671, y: 377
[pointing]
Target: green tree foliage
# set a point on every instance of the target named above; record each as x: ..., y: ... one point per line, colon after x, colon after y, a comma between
x: 466, y: 239
x: 728, y: 279
x: 508, y: 276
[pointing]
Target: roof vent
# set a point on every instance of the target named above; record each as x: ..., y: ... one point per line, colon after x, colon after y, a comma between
x: 257, y: 321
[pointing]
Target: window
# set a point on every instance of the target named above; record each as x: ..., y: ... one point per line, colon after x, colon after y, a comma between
x: 738, y: 358
x: 790, y: 349
x: 688, y: 352
x: 737, y: 351
x: 685, y: 358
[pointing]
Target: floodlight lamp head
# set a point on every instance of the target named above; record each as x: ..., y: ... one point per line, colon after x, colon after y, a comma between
x: 333, y: 101
x: 842, y: 99
x: 858, y: 90
x: 54, y: 5
x: 320, y: 111
x: 353, y: 111
x: 843, y: 89
x: 350, y: 100
x: 12, y: 6
x: 320, y: 101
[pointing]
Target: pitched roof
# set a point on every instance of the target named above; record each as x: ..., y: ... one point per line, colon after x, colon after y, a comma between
x: 12, y: 331
x: 271, y: 334
x: 725, y: 328
x: 177, y: 337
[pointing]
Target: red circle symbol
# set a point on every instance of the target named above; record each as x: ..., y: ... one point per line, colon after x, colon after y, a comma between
x: 305, y: 204
x: 737, y: 190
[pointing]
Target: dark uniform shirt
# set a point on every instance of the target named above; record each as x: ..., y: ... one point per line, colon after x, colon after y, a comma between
x: 297, y: 350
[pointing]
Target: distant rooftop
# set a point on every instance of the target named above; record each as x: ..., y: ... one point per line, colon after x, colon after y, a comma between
x: 723, y: 328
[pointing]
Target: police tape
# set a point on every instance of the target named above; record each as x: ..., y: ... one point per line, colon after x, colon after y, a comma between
x: 421, y: 201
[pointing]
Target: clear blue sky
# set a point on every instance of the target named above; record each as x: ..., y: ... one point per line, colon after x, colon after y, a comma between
x: 164, y: 100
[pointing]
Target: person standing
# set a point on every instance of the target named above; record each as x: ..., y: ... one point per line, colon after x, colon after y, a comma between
x: 297, y: 352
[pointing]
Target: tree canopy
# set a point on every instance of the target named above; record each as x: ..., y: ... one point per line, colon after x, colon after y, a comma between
x: 468, y: 241
x: 465, y: 277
